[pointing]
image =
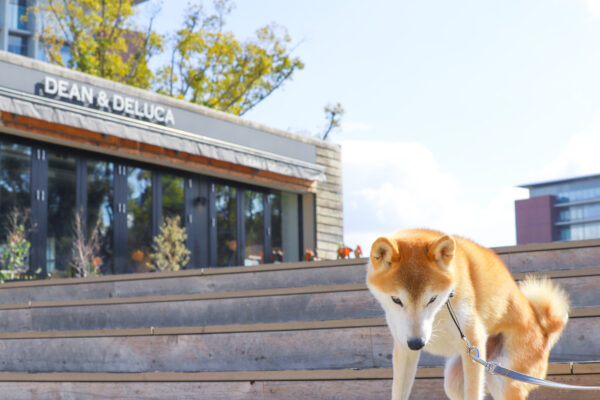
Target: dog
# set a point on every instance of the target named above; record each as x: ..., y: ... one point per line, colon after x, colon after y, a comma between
x: 413, y: 273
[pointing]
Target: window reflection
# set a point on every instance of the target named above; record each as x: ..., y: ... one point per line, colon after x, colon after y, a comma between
x: 285, y: 234
x: 100, y: 195
x: 173, y: 196
x: 254, y: 212
x: 17, y: 44
x: 139, y: 218
x: 277, y: 253
x: 225, y: 205
x: 17, y: 10
x: 61, y: 210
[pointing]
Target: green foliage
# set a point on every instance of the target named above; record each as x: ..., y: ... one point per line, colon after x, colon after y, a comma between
x: 210, y: 66
x: 16, y: 249
x: 169, y: 251
x: 101, y: 36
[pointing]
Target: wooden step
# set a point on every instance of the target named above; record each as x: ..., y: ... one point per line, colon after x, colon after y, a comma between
x: 551, y: 256
x: 344, y: 384
x: 563, y: 259
x: 547, y: 257
x: 187, y: 282
x: 255, y: 306
x: 336, y: 344
x: 215, y: 308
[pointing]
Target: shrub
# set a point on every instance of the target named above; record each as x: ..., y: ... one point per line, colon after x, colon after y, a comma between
x: 16, y: 250
x: 169, y: 252
x: 85, y: 261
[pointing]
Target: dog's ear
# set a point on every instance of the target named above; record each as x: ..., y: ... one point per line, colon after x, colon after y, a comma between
x: 383, y: 251
x: 442, y: 250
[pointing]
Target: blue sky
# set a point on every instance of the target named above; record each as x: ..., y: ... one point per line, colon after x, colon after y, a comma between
x: 449, y: 104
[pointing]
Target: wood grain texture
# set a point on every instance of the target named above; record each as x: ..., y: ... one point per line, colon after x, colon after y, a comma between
x: 557, y: 259
x: 372, y: 389
x: 359, y: 347
x: 133, y: 391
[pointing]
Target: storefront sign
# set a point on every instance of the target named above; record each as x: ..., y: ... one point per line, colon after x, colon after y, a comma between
x: 111, y: 102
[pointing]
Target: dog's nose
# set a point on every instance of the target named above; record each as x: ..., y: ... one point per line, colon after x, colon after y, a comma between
x: 416, y: 343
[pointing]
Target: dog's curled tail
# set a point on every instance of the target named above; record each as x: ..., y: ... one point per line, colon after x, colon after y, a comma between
x: 550, y: 303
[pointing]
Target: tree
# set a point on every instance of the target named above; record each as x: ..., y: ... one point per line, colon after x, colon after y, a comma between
x: 211, y: 67
x: 101, y: 38
x: 333, y: 116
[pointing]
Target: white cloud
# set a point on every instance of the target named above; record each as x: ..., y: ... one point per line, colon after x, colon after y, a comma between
x: 394, y: 185
x: 578, y: 157
x: 594, y: 7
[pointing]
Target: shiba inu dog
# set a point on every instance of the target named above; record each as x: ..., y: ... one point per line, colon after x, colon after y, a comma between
x: 412, y: 273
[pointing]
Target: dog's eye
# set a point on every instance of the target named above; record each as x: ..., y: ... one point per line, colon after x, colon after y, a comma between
x: 432, y: 300
x: 397, y: 301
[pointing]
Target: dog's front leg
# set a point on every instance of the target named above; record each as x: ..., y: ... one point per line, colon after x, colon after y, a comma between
x: 405, y: 368
x: 474, y: 374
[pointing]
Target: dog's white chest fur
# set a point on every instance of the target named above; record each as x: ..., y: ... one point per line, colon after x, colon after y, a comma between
x: 445, y: 339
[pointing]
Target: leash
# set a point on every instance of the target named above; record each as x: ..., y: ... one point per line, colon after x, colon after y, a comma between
x: 493, y: 368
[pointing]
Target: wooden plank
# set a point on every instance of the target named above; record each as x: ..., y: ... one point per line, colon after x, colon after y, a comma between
x: 198, y: 330
x: 583, y: 292
x: 220, y: 376
x: 328, y: 348
x: 186, y: 273
x: 307, y: 307
x: 524, y: 248
x: 372, y: 389
x: 187, y: 297
x: 586, y: 368
x: 133, y: 390
x: 316, y: 349
x: 171, y: 318
x: 352, y: 273
x: 556, y: 372
x: 560, y: 273
x: 552, y: 259
x: 580, y: 342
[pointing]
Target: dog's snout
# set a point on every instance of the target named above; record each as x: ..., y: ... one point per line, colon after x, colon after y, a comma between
x: 416, y: 343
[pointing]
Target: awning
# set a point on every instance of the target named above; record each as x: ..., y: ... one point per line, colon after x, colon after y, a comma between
x: 59, y: 112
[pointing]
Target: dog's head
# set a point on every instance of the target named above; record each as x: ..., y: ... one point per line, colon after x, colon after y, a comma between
x: 410, y: 273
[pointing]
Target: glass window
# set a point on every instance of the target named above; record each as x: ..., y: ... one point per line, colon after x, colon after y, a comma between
x: 565, y: 233
x: 173, y: 196
x: 290, y: 229
x: 17, y: 44
x: 17, y: 9
x: 285, y: 234
x: 254, y: 213
x: 574, y: 213
x: 225, y: 205
x: 62, y: 184
x: 15, y: 182
x: 139, y: 218
x: 277, y: 253
x: 100, y: 197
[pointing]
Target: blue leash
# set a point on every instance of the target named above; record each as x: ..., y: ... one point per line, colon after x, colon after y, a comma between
x: 493, y: 368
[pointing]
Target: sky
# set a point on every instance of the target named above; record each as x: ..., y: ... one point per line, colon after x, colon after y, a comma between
x: 450, y: 105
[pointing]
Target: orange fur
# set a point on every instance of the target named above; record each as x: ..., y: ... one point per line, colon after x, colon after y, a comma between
x: 515, y: 326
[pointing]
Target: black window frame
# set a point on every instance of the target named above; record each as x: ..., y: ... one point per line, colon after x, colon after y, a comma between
x: 199, y: 205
